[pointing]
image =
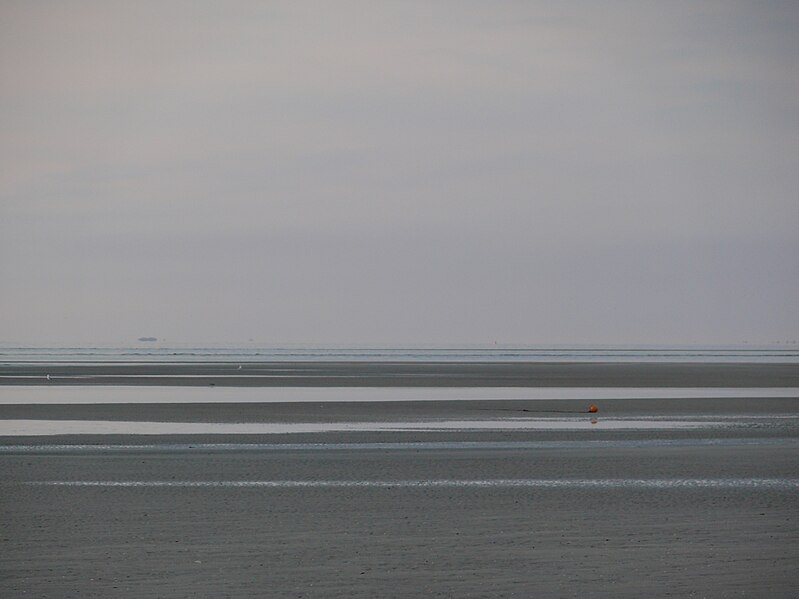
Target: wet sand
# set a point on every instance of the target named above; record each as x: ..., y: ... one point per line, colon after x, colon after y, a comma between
x: 405, y: 374
x: 711, y: 512
x: 400, y: 541
x: 363, y: 411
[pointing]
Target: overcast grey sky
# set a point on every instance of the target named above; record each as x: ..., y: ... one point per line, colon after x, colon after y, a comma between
x: 399, y: 172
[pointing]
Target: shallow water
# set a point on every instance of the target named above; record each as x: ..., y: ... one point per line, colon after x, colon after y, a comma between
x: 179, y: 353
x: 93, y: 394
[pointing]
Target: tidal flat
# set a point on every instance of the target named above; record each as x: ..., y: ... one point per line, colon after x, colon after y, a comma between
x: 710, y: 509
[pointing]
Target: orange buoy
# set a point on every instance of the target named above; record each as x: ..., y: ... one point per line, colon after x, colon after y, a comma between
x: 593, y: 408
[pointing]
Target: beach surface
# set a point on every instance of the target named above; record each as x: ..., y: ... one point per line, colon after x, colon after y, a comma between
x: 704, y: 502
x: 404, y: 374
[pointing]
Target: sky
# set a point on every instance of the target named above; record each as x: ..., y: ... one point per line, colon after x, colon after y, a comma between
x: 448, y: 172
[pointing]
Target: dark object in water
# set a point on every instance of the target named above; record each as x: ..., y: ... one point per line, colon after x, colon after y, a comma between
x: 148, y: 339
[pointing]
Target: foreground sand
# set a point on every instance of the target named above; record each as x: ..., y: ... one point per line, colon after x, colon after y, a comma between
x: 624, y: 539
x: 399, y: 542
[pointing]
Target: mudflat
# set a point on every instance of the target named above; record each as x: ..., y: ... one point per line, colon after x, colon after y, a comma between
x: 402, y: 536
x: 597, y: 512
x: 405, y: 374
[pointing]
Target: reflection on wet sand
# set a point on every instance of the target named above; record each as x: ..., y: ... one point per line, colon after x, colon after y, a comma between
x: 103, y: 427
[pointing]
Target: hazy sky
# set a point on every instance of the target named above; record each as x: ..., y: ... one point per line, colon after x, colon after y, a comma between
x: 399, y: 172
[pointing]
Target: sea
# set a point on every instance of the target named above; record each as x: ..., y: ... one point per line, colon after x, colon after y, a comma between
x: 181, y: 353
